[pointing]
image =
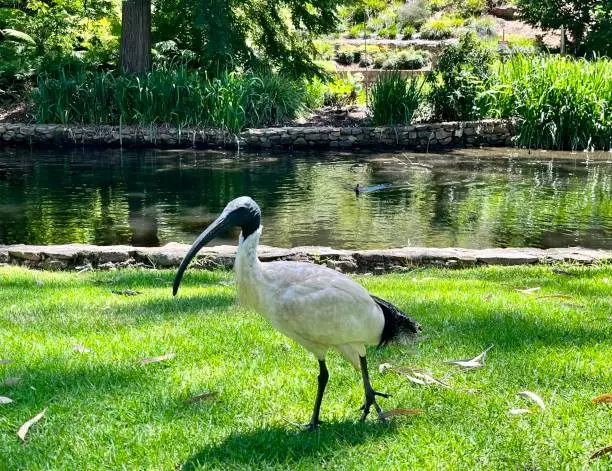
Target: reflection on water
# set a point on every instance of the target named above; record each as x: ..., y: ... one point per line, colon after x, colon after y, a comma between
x: 475, y: 198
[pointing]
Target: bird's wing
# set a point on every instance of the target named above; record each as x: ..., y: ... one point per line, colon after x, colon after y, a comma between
x: 321, y: 305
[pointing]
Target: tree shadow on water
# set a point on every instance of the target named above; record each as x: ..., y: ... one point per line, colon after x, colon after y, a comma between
x: 274, y: 445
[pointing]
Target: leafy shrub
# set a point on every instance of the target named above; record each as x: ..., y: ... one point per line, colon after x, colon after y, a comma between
x: 458, y: 80
x: 379, y: 60
x: 314, y: 89
x: 412, y: 60
x: 472, y: 7
x: 394, y: 100
x: 345, y: 56
x: 443, y: 27
x: 414, y: 13
x: 342, y: 91
x: 408, y: 31
x: 558, y: 102
x: 366, y: 62
x: 483, y: 27
x: 356, y: 32
x: 390, y: 32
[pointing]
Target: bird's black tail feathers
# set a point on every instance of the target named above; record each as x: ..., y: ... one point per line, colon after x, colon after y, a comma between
x: 397, y: 324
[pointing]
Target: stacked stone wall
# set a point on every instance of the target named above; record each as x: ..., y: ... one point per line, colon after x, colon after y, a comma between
x: 421, y: 136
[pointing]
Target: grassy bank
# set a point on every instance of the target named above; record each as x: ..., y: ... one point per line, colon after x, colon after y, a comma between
x: 105, y: 409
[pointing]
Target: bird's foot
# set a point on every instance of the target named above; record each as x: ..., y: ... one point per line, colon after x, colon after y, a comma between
x: 312, y: 426
x: 371, y: 401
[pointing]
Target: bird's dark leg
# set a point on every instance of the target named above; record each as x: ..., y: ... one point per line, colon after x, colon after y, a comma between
x: 323, y: 377
x: 370, y: 394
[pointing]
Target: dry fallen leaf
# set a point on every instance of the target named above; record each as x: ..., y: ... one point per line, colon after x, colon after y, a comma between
x: 81, y: 349
x: 419, y: 377
x: 10, y: 381
x: 603, y: 399
x: 430, y: 379
x: 205, y: 396
x: 488, y: 297
x: 384, y: 366
x: 477, y: 362
x: 602, y: 451
x: 528, y: 290
x: 394, y: 412
x: 534, y: 397
x: 5, y: 400
x: 413, y: 379
x: 4, y: 362
x: 167, y: 356
x: 520, y: 411
x: 23, y: 430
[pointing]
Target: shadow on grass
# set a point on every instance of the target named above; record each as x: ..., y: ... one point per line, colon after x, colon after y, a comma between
x: 506, y: 328
x: 276, y: 445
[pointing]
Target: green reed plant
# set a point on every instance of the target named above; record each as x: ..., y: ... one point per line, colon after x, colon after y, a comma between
x: 558, y: 102
x: 394, y: 99
x: 167, y: 95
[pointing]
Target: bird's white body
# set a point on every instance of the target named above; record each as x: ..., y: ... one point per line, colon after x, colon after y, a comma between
x: 316, y: 306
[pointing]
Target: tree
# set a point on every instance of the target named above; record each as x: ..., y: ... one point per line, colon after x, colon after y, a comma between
x: 588, y: 22
x: 136, y: 36
x: 227, y: 33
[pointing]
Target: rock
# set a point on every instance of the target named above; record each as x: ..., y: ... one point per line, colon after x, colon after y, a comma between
x: 24, y: 252
x: 53, y: 265
x: 507, y: 12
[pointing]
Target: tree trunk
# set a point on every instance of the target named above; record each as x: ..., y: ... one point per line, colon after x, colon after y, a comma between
x: 136, y: 36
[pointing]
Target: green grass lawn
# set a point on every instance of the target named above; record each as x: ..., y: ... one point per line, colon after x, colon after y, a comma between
x: 106, y: 410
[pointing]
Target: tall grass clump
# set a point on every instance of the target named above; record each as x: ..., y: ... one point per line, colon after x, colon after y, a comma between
x: 395, y: 99
x: 558, y: 102
x: 168, y: 95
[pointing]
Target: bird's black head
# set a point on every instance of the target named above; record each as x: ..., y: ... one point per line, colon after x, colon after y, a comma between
x: 242, y: 212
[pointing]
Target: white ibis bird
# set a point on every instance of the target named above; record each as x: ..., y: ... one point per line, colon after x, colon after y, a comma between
x: 316, y: 306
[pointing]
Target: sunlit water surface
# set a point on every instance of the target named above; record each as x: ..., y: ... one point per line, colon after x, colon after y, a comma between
x: 468, y: 198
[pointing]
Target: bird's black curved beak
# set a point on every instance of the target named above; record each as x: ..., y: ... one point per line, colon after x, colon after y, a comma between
x: 219, y: 225
x: 243, y: 212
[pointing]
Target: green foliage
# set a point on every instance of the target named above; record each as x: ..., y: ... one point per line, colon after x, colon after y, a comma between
x: 459, y: 78
x: 407, y: 59
x: 559, y: 102
x: 390, y: 32
x: 229, y: 33
x: 408, y: 31
x: 443, y: 27
x: 589, y: 22
x: 472, y: 7
x: 342, y: 91
x: 347, y: 55
x: 356, y: 31
x: 172, y: 96
x: 314, y: 89
x: 394, y: 99
x: 414, y: 13
x: 483, y: 27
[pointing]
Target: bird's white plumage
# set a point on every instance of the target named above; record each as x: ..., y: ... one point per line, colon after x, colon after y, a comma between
x: 318, y: 307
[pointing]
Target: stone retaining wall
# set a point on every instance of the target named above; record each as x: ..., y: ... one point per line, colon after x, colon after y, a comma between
x: 87, y: 257
x: 422, y: 136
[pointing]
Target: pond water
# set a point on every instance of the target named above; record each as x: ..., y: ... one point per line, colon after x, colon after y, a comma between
x: 465, y: 198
